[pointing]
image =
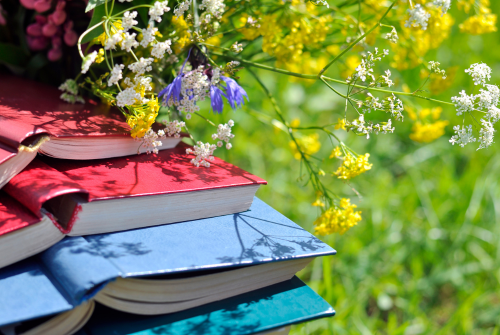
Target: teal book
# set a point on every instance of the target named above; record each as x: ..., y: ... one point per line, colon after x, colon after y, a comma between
x: 269, y: 308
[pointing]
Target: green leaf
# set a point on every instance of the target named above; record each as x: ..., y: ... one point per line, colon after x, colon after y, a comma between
x: 94, y: 3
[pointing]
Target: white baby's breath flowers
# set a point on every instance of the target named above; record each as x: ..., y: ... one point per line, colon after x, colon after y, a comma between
x: 224, y: 134
x: 127, y: 97
x: 181, y: 8
x: 444, y: 4
x: 434, y: 68
x: 150, y: 142
x: 366, y: 128
x: 386, y: 79
x: 129, y: 42
x: 160, y: 48
x: 141, y: 66
x: 174, y: 128
x: 365, y: 69
x: 194, y: 87
x: 203, y: 152
x: 464, y: 103
x: 214, y: 7
x: 479, y: 72
x: 486, y: 134
x: 392, y: 36
x: 116, y: 74
x: 148, y: 35
x: 88, y: 60
x: 115, y: 39
x: 418, y: 17
x: 237, y: 47
x: 158, y: 9
x: 463, y: 136
x: 128, y: 20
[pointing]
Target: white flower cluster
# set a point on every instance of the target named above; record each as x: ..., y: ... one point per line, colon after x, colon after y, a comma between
x: 150, y: 142
x: 434, y: 68
x: 224, y: 134
x: 129, y: 42
x: 127, y: 97
x: 418, y: 17
x: 88, y: 60
x: 214, y: 7
x: 391, y: 105
x: 195, y: 87
x: 203, y: 152
x: 128, y: 20
x: 181, y: 8
x: 237, y: 47
x: 141, y: 66
x: 463, y: 136
x: 444, y: 4
x: 70, y: 92
x: 485, y: 102
x: 116, y: 74
x: 365, y: 69
x: 160, y: 48
x: 115, y: 39
x: 157, y: 11
x: 480, y: 73
x: 172, y: 128
x: 385, y: 80
x: 392, y: 36
x: 148, y: 35
x: 366, y: 128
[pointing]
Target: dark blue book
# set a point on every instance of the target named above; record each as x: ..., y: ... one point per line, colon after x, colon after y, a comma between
x: 162, y: 269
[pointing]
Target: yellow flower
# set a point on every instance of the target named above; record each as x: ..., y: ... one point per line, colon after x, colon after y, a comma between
x: 479, y: 24
x: 427, y: 132
x: 337, y: 219
x: 353, y: 166
x: 336, y: 152
x: 100, y: 56
x: 308, y: 144
x: 318, y: 203
x: 340, y: 124
x: 295, y: 123
x: 144, y: 116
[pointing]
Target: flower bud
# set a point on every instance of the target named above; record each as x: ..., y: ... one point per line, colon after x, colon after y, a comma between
x: 70, y: 37
x: 34, y: 29
x: 37, y: 43
x: 28, y: 4
x: 49, y: 29
x: 54, y: 54
x: 42, y: 5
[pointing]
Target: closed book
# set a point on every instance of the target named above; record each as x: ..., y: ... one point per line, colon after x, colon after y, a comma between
x: 162, y: 269
x: 100, y: 196
x: 34, y: 119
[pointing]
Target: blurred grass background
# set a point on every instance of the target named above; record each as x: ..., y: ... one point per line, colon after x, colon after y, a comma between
x: 426, y: 257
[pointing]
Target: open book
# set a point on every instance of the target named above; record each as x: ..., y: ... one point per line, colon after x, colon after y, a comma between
x: 161, y: 269
x: 52, y: 197
x: 34, y: 119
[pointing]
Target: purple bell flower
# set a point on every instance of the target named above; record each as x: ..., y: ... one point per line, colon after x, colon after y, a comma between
x: 216, y: 99
x: 173, y: 90
x: 234, y: 92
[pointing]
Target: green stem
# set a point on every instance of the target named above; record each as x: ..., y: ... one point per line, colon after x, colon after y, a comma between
x: 204, y: 118
x: 358, y: 39
x: 129, y: 9
x: 82, y: 35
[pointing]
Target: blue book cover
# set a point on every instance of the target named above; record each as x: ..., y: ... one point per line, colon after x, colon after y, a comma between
x: 261, y: 310
x: 76, y: 268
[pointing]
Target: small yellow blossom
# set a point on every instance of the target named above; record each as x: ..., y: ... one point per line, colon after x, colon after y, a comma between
x: 337, y: 219
x: 318, y: 203
x: 308, y: 144
x: 100, y: 56
x: 427, y: 132
x: 336, y: 152
x: 479, y: 24
x: 144, y: 116
x: 295, y: 123
x: 340, y: 124
x: 353, y: 166
x: 113, y: 29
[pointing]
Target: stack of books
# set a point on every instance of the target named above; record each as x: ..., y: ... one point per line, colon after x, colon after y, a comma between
x: 96, y: 239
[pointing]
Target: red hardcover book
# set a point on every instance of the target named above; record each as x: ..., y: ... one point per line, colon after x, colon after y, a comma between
x: 31, y: 113
x: 100, y: 196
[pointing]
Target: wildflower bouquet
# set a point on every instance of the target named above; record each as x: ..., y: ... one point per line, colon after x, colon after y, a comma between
x: 182, y: 58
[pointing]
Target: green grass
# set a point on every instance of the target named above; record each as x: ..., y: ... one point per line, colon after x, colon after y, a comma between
x: 426, y: 257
